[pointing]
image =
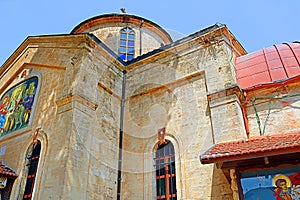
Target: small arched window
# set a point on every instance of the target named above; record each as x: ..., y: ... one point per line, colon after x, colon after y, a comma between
x: 33, y: 161
x: 126, y: 47
x: 165, y: 172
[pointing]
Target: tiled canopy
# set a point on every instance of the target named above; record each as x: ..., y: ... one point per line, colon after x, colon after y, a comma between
x: 254, y: 147
x: 6, y: 171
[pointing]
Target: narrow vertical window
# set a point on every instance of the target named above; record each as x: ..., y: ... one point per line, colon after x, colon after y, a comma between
x: 32, y: 169
x: 126, y: 47
x: 165, y: 172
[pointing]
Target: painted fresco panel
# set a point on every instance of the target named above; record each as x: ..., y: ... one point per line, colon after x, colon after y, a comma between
x: 16, y: 106
x: 275, y: 184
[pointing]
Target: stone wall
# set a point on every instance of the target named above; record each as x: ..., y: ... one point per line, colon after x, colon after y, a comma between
x: 173, y: 90
x: 77, y: 109
x: 274, y: 110
x: 188, y: 88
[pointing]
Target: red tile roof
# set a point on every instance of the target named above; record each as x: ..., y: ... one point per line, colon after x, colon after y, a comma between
x: 5, y: 170
x: 259, y: 146
x: 271, y: 65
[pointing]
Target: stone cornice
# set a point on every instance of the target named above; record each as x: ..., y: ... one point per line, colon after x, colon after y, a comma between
x: 72, y: 98
x: 14, y: 74
x: 170, y: 85
x: 109, y: 91
x: 213, y: 35
x: 67, y: 41
x: 226, y: 96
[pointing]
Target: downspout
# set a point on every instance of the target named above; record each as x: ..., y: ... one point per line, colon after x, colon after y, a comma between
x: 121, y: 138
x: 141, y: 32
x: 244, y: 110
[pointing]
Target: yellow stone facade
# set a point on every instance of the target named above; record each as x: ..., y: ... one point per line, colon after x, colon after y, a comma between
x: 89, y: 101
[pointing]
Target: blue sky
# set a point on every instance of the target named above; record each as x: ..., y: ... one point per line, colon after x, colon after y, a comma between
x: 255, y: 23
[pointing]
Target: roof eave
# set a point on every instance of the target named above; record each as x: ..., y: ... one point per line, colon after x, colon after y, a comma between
x: 249, y: 156
x: 31, y: 41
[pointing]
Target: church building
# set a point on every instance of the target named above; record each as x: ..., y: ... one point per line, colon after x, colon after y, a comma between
x: 118, y: 109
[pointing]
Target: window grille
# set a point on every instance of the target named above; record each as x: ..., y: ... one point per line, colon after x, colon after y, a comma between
x: 32, y: 169
x: 165, y: 172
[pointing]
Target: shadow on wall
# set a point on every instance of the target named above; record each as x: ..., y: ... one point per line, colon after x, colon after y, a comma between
x: 221, y: 188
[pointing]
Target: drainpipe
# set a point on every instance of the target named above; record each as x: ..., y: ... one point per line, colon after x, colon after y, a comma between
x: 244, y: 109
x: 141, y: 32
x: 121, y: 138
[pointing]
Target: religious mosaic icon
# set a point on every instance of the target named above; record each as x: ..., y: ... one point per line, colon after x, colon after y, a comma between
x: 273, y: 186
x: 286, y: 188
x: 16, y: 106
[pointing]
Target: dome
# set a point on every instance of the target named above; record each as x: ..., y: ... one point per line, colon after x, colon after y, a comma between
x: 145, y: 35
x: 275, y: 64
x: 125, y: 19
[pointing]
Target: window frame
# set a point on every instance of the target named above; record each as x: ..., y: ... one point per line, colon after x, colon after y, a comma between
x: 165, y: 172
x: 126, y: 44
x: 32, y: 169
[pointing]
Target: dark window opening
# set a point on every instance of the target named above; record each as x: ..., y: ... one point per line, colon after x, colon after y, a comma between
x: 6, y: 191
x: 32, y: 170
x: 165, y: 172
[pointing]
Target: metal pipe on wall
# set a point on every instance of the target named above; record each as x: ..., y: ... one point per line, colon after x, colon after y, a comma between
x: 119, y: 179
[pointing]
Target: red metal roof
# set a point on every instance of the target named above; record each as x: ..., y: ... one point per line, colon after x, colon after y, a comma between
x: 259, y: 146
x: 5, y: 170
x: 274, y: 64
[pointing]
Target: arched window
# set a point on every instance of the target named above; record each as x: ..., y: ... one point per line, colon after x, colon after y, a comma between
x: 165, y: 172
x: 33, y: 161
x: 126, y: 47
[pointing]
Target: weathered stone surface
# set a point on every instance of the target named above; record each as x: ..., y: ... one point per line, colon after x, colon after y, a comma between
x: 78, y: 109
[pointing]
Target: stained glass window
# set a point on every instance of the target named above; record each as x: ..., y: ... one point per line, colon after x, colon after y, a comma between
x: 16, y: 106
x: 165, y: 172
x: 126, y: 47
